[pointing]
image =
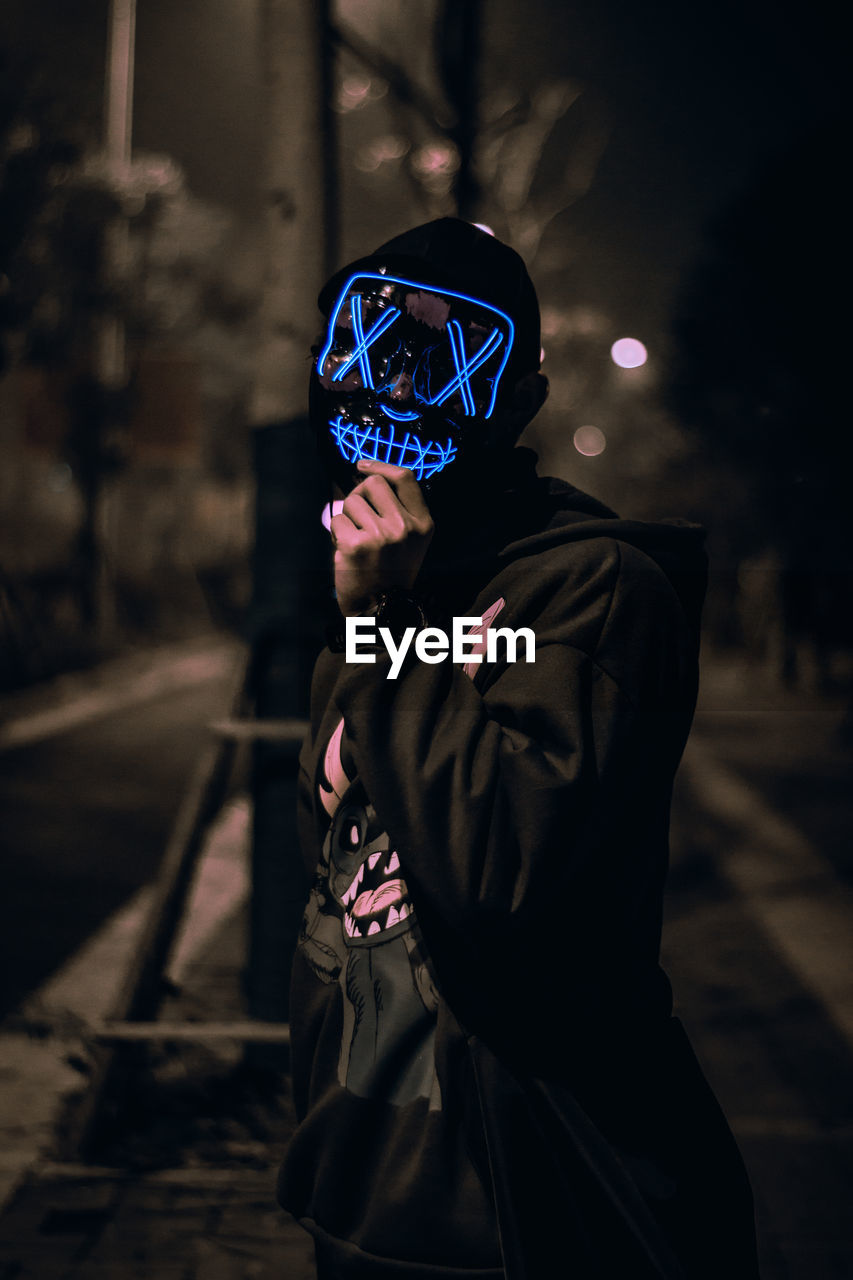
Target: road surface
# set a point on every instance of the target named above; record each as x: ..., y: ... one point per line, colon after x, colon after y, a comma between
x: 88, y: 794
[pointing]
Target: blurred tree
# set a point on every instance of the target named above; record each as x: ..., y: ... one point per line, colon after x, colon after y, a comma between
x: 54, y: 289
x: 186, y: 281
x: 51, y: 224
x: 516, y: 157
x: 760, y: 377
x: 192, y: 286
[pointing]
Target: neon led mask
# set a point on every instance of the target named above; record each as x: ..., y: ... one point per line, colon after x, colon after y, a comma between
x: 407, y: 373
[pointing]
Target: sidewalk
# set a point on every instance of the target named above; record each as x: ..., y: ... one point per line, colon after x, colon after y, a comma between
x: 42, y: 710
x: 758, y: 940
x: 42, y: 1049
x: 186, y: 1187
x: 84, y: 1224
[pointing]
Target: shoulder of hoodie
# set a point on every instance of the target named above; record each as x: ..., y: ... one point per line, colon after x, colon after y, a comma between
x: 590, y: 575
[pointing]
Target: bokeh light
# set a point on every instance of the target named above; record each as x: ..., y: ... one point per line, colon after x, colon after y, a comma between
x: 590, y: 441
x: 385, y: 150
x: 59, y: 477
x: 435, y: 164
x: 357, y: 91
x: 628, y: 353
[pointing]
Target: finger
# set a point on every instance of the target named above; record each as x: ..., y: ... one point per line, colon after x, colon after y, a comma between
x: 345, y: 535
x: 378, y: 492
x: 402, y: 481
x: 362, y: 514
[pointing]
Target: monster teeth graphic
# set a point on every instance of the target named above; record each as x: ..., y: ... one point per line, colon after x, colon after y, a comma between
x: 358, y: 930
x: 375, y: 901
x: 372, y: 901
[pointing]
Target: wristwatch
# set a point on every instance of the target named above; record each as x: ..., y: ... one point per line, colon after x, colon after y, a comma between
x: 396, y: 609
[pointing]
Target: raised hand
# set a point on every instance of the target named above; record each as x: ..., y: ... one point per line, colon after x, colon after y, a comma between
x: 380, y: 537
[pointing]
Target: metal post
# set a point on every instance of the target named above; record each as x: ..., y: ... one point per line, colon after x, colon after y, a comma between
x: 97, y: 392
x: 118, y: 114
x: 290, y: 544
x: 458, y: 57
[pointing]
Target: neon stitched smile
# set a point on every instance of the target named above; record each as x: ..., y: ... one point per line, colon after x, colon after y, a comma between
x: 383, y: 443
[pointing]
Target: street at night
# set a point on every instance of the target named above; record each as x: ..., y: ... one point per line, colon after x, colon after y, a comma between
x: 502, y: 322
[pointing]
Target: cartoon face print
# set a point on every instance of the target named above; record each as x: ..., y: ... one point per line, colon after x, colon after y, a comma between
x: 364, y: 875
x: 359, y: 931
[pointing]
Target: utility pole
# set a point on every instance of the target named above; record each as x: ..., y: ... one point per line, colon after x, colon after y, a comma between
x: 291, y: 547
x: 298, y: 197
x: 118, y: 112
x: 458, y: 58
x: 97, y: 391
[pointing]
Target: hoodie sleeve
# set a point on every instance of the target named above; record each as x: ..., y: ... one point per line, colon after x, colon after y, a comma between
x: 497, y: 799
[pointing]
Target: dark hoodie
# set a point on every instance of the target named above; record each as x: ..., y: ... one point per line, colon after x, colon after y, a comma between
x: 489, y: 850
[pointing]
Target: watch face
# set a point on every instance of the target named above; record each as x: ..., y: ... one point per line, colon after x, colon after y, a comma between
x: 398, y: 610
x: 407, y: 373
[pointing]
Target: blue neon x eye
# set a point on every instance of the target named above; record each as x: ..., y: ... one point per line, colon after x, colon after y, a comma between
x: 363, y: 341
x: 405, y: 366
x: 468, y: 342
x: 464, y: 368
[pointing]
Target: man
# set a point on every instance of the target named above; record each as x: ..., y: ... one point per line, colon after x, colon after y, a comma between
x: 486, y: 1072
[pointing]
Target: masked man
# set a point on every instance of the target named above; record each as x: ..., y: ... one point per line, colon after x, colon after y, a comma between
x: 487, y: 1075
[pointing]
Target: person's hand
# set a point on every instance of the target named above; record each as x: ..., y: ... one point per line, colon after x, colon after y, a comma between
x: 380, y: 537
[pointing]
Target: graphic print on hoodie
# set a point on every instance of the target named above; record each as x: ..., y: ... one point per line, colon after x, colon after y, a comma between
x: 359, y: 931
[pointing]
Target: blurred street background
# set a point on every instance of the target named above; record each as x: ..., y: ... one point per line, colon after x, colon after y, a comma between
x: 176, y: 182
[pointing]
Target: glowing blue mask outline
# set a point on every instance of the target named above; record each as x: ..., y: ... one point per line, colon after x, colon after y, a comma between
x: 463, y: 368
x: 363, y: 342
x: 396, y: 416
x: 457, y: 346
x: 422, y: 458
